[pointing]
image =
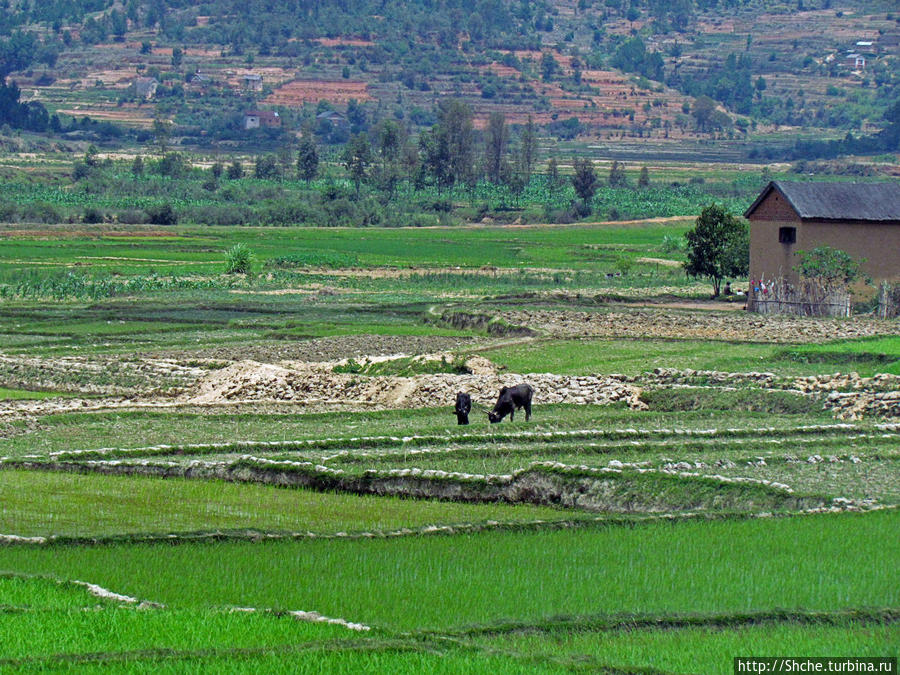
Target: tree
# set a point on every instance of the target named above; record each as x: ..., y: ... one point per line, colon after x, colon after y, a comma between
x: 307, y: 159
x: 832, y: 266
x: 718, y: 246
x: 528, y: 149
x: 584, y: 180
x: 266, y: 166
x: 703, y: 110
x: 390, y: 137
x: 548, y: 66
x: 495, y: 142
x: 552, y: 176
x: 235, y: 170
x: 644, y: 178
x: 617, y: 177
x: 357, y: 158
x: 435, y: 152
x: 137, y: 167
x: 455, y: 122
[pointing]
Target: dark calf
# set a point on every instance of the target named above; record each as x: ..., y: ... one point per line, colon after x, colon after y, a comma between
x: 510, y: 400
x: 463, y: 406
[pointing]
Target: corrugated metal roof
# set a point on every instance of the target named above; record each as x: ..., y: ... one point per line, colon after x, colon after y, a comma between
x: 838, y: 201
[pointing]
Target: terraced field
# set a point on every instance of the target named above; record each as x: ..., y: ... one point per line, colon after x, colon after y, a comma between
x: 269, y: 477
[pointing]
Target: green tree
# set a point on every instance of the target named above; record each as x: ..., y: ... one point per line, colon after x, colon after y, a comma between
x: 137, y: 167
x: 528, y: 149
x: 584, y: 180
x: 552, y: 175
x: 644, y: 178
x: 235, y: 170
x: 455, y: 122
x: 832, y: 266
x: 718, y: 246
x: 436, y: 162
x: 703, y: 110
x: 548, y: 66
x: 266, y: 167
x: 390, y: 137
x: 307, y: 159
x: 357, y: 158
x: 617, y: 177
x: 496, y: 139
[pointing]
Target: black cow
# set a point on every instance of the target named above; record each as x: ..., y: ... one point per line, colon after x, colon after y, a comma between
x: 463, y: 406
x: 510, y: 400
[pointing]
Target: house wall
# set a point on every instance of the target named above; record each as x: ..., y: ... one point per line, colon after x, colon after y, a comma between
x: 768, y: 258
x: 877, y: 242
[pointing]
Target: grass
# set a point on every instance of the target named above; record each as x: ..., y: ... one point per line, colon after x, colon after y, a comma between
x: 33, y: 593
x: 36, y: 503
x: 402, y: 658
x: 22, y: 394
x: 142, y: 428
x: 34, y: 635
x: 633, y: 357
x: 819, y: 563
x: 699, y: 650
x: 190, y: 250
x: 879, y: 354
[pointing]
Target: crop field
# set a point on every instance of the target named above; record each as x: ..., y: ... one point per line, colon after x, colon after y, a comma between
x: 210, y: 472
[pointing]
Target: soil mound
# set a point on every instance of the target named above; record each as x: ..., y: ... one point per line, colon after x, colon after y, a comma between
x: 253, y: 381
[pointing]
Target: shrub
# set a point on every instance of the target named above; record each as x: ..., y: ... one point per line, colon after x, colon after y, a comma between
x: 238, y: 259
x: 162, y: 214
x: 92, y: 215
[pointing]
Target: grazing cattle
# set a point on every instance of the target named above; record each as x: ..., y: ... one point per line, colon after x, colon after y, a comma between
x: 510, y: 400
x: 463, y: 406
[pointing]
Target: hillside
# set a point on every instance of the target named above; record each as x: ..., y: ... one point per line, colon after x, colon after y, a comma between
x: 749, y: 75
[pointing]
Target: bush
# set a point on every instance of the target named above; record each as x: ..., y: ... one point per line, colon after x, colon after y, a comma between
x: 161, y: 214
x: 92, y: 215
x: 238, y: 259
x: 132, y: 217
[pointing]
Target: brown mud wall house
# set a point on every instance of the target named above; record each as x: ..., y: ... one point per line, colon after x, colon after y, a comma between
x: 861, y: 219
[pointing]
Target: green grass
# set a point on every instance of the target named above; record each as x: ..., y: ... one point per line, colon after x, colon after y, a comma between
x: 185, y: 246
x: 633, y: 357
x: 142, y: 428
x: 820, y: 563
x: 36, y: 503
x: 34, y: 635
x: 699, y: 650
x: 879, y: 354
x: 402, y: 658
x: 22, y: 394
x: 34, y: 593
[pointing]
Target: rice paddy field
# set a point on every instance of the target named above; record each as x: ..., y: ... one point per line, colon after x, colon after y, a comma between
x: 208, y: 473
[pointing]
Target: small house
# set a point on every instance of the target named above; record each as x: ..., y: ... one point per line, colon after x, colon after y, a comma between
x: 145, y: 87
x: 253, y: 82
x: 266, y: 119
x: 855, y: 61
x: 862, y: 219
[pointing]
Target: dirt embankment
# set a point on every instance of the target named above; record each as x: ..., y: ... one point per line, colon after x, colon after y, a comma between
x: 585, y: 488
x: 251, y: 381
x: 650, y: 323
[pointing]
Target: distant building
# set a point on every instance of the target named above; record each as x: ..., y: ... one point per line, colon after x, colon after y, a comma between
x: 145, y: 87
x: 855, y: 61
x: 253, y: 82
x: 334, y: 117
x: 255, y: 119
x: 862, y: 219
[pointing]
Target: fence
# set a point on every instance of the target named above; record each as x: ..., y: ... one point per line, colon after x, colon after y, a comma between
x: 888, y: 300
x: 811, y: 298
